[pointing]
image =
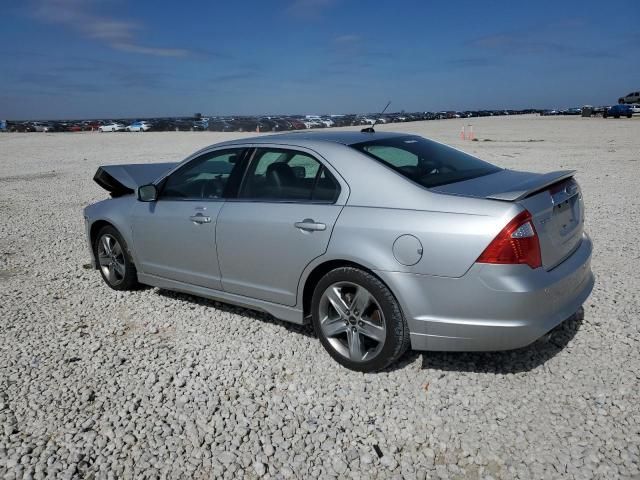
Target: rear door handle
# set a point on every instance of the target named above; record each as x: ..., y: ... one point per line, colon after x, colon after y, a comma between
x: 310, y: 226
x: 200, y: 218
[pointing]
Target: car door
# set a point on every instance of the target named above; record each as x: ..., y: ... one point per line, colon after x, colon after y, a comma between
x: 282, y: 219
x: 175, y: 236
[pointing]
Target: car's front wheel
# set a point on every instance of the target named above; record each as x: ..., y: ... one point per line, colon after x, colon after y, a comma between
x: 116, y: 267
x: 358, y: 320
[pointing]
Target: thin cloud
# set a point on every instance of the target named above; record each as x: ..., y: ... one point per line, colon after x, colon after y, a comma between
x: 160, y: 52
x: 117, y: 34
x: 471, y: 62
x: 235, y: 77
x: 347, y: 39
x: 528, y: 43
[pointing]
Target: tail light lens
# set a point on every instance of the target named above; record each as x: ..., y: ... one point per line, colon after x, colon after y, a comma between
x: 517, y: 243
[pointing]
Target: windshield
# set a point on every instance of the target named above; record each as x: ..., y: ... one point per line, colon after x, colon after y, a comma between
x: 425, y: 162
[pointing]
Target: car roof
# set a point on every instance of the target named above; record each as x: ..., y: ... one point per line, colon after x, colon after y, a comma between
x: 301, y: 138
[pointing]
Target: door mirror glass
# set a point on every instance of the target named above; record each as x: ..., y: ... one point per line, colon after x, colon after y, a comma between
x: 148, y: 193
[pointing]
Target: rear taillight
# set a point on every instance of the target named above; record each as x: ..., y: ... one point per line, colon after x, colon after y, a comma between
x: 517, y: 243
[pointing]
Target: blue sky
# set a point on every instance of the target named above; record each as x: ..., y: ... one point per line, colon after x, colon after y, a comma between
x: 111, y: 58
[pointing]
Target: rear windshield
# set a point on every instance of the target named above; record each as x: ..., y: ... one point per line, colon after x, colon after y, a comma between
x: 425, y: 162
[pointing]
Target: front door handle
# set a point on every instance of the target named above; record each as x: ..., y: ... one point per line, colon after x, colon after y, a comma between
x: 200, y: 218
x: 310, y: 226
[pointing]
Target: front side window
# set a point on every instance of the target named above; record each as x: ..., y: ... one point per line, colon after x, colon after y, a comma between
x: 288, y: 175
x: 205, y: 177
x: 425, y: 162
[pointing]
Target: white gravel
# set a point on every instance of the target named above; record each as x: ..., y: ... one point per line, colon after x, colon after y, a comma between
x: 95, y: 383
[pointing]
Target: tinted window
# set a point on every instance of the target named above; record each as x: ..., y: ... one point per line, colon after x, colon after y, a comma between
x: 326, y: 189
x: 205, y: 177
x: 427, y: 163
x: 289, y: 175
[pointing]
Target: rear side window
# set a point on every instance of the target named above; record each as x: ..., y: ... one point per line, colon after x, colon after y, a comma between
x: 288, y: 175
x: 425, y: 162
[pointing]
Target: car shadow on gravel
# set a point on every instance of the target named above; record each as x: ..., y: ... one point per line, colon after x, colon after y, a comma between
x: 306, y: 330
x: 505, y: 362
x: 511, y: 361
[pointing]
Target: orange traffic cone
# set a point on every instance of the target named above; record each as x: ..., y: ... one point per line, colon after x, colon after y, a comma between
x: 462, y: 133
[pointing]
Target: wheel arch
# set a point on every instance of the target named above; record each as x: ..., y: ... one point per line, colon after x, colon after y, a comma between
x: 98, y: 224
x: 320, y: 270
x: 96, y: 227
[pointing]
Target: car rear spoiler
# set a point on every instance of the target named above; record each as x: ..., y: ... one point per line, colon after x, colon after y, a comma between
x: 125, y: 179
x: 531, y: 185
x: 505, y: 185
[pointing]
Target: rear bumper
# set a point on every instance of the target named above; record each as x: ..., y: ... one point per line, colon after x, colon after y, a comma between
x: 492, y: 307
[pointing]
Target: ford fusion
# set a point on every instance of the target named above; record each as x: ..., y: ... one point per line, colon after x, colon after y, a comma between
x: 383, y: 241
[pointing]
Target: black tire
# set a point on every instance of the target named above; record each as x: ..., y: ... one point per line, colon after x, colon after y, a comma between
x: 616, y: 116
x: 114, y: 278
x: 629, y: 115
x: 396, y: 340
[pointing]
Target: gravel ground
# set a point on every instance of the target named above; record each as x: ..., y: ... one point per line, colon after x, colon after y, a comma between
x: 95, y: 383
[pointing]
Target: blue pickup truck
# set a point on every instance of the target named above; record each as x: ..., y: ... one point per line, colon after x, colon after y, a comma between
x: 617, y: 111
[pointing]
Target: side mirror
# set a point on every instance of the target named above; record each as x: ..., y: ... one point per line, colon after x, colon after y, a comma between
x: 148, y: 193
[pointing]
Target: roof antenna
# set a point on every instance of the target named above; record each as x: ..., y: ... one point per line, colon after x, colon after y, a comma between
x: 370, y: 129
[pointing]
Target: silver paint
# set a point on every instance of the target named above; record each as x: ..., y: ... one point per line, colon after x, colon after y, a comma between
x: 261, y: 254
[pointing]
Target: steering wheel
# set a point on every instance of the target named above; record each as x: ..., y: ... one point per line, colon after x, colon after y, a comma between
x: 212, y: 188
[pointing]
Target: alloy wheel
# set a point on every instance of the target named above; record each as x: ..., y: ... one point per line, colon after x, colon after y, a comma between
x: 352, y: 321
x: 111, y: 259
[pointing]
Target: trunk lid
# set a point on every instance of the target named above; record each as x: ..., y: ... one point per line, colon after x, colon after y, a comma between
x: 125, y: 179
x: 553, y: 199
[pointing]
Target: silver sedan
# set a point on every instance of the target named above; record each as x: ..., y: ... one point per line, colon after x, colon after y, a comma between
x: 383, y: 241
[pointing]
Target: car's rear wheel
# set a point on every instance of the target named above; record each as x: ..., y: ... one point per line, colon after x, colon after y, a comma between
x: 358, y: 320
x: 116, y: 267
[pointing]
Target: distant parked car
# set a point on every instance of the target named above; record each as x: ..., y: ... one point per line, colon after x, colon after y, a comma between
x: 21, y: 127
x: 40, y: 127
x: 297, y: 124
x: 139, y: 127
x: 54, y: 127
x: 111, y: 127
x: 219, y: 126
x: 633, y: 97
x: 635, y: 109
x: 200, y: 125
x: 617, y: 111
x: 184, y: 125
